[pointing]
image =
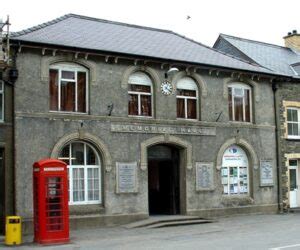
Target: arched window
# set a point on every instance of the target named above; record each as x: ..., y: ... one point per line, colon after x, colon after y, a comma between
x: 84, y: 170
x: 187, y: 95
x: 68, y: 87
x: 234, y: 171
x: 240, y: 102
x: 139, y: 94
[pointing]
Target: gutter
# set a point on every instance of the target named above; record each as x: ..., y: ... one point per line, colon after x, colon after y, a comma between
x: 278, y: 147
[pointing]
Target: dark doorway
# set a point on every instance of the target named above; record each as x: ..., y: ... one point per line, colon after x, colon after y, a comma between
x: 163, y: 180
x: 2, y: 197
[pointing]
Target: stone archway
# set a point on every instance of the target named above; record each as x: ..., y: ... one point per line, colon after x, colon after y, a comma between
x: 84, y: 136
x: 182, y: 150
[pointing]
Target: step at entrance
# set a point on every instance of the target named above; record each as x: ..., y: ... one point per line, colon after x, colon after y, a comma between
x: 168, y: 221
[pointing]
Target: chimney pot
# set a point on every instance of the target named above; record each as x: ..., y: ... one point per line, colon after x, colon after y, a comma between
x: 294, y: 31
x: 289, y: 33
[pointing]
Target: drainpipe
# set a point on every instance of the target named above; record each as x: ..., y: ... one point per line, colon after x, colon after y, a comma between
x: 278, y: 147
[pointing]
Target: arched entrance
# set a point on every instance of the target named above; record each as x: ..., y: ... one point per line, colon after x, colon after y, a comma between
x: 164, y: 179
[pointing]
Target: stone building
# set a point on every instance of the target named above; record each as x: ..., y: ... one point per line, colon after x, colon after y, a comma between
x: 284, y: 61
x: 6, y: 136
x: 148, y: 121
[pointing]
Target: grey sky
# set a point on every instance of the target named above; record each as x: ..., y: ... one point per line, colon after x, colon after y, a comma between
x: 263, y: 20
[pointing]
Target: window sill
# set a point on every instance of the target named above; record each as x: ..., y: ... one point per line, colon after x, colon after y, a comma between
x: 293, y: 138
x: 141, y: 116
x: 187, y: 119
x: 242, y: 123
x: 68, y: 112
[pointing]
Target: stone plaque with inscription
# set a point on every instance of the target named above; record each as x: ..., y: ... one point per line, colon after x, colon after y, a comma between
x: 126, y: 177
x: 204, y: 176
x: 266, y: 173
x: 162, y: 129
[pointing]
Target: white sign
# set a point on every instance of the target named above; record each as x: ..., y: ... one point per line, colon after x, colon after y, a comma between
x: 235, y: 156
x: 54, y: 169
x: 126, y: 177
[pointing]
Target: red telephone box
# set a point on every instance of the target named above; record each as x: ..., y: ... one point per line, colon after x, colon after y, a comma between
x: 50, y: 202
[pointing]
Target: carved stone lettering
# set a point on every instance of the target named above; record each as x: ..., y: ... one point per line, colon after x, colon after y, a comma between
x: 154, y: 129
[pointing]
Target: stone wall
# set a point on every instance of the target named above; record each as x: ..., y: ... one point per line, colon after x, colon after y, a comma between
x: 290, y: 148
x: 40, y: 132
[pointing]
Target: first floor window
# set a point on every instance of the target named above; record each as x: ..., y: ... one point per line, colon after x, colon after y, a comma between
x: 234, y: 171
x: 186, y: 96
x: 1, y: 101
x: 140, y: 94
x: 84, y: 173
x: 68, y: 88
x: 293, y: 123
x: 239, y: 101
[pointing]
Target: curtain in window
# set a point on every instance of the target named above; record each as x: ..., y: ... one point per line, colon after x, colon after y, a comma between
x: 133, y: 105
x: 78, y: 184
x: 180, y: 108
x: 191, y: 109
x: 247, y: 104
x: 53, y: 89
x: 230, y: 103
x: 67, y: 96
x: 145, y: 105
x: 81, y: 92
x: 1, y: 108
x: 238, y: 108
x: 93, y: 184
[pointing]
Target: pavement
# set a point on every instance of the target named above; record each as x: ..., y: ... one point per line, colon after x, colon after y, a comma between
x: 272, y: 232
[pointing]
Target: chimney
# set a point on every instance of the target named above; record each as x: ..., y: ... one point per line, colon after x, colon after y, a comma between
x: 292, y: 40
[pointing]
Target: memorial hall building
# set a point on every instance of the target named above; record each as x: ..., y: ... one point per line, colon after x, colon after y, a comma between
x: 148, y: 122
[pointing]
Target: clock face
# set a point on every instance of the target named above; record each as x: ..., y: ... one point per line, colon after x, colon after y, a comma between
x: 166, y: 88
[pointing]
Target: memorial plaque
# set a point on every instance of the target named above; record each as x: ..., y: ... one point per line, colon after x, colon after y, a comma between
x: 126, y: 177
x: 204, y: 176
x: 162, y: 129
x: 266, y: 173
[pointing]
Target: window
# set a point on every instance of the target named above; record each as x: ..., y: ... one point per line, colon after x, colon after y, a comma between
x: 68, y: 88
x: 239, y: 100
x: 1, y: 101
x: 140, y: 94
x: 293, y: 123
x: 234, y: 171
x: 187, y: 96
x: 84, y: 173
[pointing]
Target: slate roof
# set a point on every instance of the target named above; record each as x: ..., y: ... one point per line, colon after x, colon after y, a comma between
x: 101, y: 35
x: 276, y: 58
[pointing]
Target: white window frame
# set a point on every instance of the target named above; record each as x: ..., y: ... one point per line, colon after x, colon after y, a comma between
x: 85, y: 167
x: 243, y: 87
x: 74, y: 68
x: 139, y: 94
x: 3, y: 96
x: 186, y: 98
x: 292, y: 122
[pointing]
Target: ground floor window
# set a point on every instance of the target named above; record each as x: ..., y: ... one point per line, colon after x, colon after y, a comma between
x: 234, y: 171
x: 84, y: 172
